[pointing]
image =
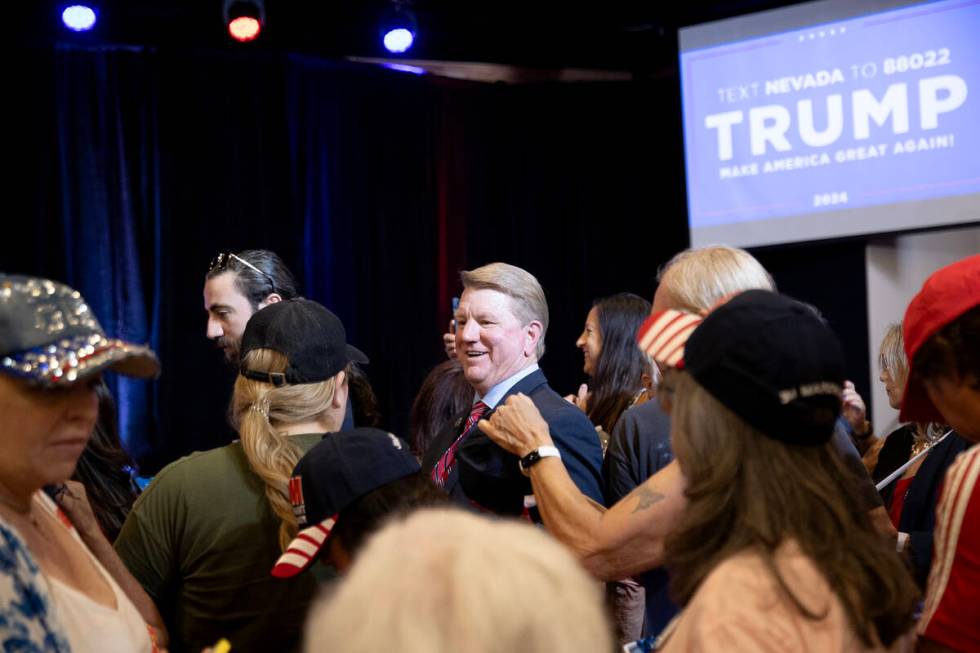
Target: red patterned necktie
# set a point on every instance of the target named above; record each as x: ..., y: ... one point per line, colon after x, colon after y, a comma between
x: 440, y: 473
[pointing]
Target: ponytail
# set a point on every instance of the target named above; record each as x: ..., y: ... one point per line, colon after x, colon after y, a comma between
x: 260, y: 410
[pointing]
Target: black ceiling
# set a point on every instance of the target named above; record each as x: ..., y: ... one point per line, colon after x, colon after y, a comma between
x: 615, y: 34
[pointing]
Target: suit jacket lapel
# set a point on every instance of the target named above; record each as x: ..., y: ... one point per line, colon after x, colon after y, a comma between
x: 448, y: 435
x: 440, y: 444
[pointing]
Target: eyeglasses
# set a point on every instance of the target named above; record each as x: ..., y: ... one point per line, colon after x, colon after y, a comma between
x: 223, y: 260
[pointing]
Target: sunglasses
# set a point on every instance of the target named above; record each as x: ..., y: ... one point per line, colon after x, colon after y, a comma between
x: 223, y: 260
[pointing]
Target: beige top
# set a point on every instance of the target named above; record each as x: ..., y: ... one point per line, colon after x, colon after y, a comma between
x: 740, y: 607
x: 90, y: 626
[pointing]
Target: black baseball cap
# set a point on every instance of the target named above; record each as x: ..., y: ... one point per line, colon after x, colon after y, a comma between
x: 311, y: 338
x: 337, y: 471
x: 773, y: 362
x: 49, y: 336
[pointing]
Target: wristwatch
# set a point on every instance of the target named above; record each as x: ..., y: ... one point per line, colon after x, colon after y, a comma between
x: 533, y: 458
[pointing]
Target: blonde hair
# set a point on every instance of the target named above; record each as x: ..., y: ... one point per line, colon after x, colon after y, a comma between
x: 258, y: 411
x: 696, y: 279
x: 528, y: 300
x: 891, y: 355
x: 443, y: 581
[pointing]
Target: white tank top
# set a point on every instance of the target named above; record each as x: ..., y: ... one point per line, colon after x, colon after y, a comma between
x: 90, y: 626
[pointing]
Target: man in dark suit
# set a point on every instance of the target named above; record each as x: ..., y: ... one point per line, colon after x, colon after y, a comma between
x: 500, y: 329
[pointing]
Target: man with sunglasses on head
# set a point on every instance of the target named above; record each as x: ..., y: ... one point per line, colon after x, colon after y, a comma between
x: 236, y: 287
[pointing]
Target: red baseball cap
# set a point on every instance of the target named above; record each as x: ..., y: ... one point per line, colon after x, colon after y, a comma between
x: 947, y: 294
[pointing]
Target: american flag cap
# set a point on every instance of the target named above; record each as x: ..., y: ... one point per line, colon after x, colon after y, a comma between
x: 662, y: 336
x: 337, y: 471
x: 304, y: 550
x: 49, y: 336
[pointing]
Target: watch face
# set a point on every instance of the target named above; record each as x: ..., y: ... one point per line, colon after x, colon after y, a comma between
x: 528, y: 460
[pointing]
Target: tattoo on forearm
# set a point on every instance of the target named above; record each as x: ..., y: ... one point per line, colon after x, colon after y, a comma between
x: 647, y: 498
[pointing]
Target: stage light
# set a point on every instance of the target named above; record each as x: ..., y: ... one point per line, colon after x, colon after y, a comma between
x: 244, y: 19
x: 79, y: 18
x: 244, y: 28
x: 398, y: 39
x: 398, y: 29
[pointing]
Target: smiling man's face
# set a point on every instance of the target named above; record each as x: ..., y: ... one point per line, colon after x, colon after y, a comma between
x: 491, y: 342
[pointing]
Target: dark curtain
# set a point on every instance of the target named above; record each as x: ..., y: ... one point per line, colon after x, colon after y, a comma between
x: 362, y: 153
x: 108, y: 170
x: 130, y: 168
x: 83, y: 195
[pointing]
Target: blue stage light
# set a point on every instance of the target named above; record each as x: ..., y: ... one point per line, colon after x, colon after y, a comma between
x: 399, y: 39
x: 79, y: 18
x: 398, y: 28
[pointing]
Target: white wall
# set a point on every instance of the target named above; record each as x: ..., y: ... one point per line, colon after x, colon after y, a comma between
x: 896, y: 268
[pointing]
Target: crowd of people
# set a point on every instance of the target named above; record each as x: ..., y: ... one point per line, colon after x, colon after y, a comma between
x: 714, y: 486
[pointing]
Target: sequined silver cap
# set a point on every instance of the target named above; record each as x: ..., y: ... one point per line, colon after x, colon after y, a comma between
x: 49, y: 335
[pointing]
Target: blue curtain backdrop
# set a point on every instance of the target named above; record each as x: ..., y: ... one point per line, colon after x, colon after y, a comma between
x: 108, y: 171
x: 128, y: 168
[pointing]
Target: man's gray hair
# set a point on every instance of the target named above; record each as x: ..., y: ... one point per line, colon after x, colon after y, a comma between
x: 528, y: 301
x: 696, y: 279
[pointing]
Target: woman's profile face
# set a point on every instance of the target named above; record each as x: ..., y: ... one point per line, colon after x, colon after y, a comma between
x: 44, y: 431
x: 894, y: 381
x: 590, y: 342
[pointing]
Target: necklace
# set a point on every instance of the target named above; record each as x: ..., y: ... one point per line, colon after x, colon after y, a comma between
x: 921, y: 439
x: 918, y: 446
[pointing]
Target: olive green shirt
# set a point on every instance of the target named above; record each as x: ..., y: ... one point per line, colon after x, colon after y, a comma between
x: 202, y: 540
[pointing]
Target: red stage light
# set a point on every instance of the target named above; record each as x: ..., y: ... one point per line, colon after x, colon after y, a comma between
x: 244, y: 28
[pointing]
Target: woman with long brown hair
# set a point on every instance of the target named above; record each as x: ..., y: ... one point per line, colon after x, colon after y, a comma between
x: 619, y: 373
x: 203, y: 536
x: 620, y: 376
x: 770, y: 548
